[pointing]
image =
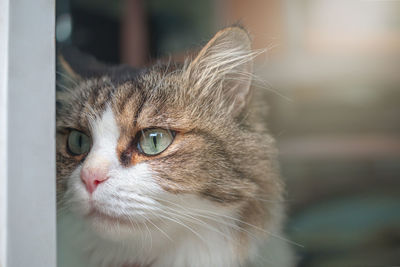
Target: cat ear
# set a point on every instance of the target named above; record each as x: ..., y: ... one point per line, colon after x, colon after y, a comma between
x: 78, y: 65
x: 223, y: 68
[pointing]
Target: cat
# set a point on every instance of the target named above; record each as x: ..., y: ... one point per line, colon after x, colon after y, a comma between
x: 167, y: 166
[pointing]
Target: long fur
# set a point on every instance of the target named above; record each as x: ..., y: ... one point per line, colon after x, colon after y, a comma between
x: 212, y: 198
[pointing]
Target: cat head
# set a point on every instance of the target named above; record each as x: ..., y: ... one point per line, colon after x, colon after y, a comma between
x: 163, y: 144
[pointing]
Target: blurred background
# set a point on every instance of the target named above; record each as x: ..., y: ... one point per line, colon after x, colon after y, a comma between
x: 333, y: 74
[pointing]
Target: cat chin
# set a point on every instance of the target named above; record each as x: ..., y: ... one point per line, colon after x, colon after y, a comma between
x: 114, y: 229
x: 111, y: 232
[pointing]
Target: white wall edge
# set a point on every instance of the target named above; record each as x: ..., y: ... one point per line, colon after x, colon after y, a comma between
x: 27, y: 133
x: 4, y: 11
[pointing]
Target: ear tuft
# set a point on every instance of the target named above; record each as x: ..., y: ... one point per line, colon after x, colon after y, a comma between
x: 78, y: 65
x: 223, y: 68
x: 65, y: 70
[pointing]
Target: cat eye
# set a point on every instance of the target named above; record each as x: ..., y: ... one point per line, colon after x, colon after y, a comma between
x: 78, y: 143
x: 155, y: 141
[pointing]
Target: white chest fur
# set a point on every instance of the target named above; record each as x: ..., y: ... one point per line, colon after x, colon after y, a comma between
x: 79, y: 246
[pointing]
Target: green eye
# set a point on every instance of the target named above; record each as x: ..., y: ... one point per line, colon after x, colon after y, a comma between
x: 78, y: 142
x: 155, y: 141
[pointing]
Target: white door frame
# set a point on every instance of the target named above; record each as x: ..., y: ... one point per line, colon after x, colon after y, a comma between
x: 27, y: 134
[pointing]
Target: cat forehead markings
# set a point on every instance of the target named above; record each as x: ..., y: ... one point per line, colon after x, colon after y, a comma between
x: 153, y: 99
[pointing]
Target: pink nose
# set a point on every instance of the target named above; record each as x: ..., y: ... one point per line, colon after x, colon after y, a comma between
x: 92, y: 177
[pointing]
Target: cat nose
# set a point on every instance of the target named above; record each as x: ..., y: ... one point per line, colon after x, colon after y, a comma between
x: 92, y: 177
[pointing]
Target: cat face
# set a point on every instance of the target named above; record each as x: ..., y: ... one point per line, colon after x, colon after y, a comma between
x: 165, y: 145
